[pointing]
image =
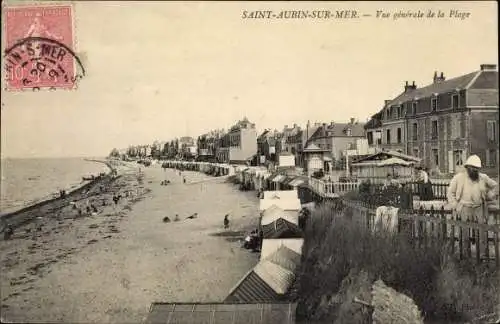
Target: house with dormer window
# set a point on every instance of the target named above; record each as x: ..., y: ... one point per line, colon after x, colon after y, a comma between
x: 335, y: 138
x: 444, y: 122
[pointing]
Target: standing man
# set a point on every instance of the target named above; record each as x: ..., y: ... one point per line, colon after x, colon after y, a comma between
x: 468, y: 194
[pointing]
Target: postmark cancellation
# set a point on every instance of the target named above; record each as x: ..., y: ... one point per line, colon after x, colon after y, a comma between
x: 39, y: 48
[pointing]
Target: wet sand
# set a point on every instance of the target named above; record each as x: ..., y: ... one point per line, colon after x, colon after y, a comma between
x: 110, y: 267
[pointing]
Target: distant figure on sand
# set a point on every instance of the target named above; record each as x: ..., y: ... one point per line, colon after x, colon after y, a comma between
x: 8, y: 232
x: 195, y: 215
x: 226, y: 221
x: 184, y: 179
x: 176, y: 219
x: 166, y: 219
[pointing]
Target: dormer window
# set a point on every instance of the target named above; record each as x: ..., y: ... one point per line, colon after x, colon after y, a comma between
x: 414, y: 107
x: 434, y: 103
x: 454, y: 101
x: 348, y: 132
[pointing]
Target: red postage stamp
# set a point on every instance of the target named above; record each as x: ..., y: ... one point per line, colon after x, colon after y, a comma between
x: 39, y: 48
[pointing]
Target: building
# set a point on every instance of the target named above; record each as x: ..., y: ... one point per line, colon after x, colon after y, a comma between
x: 444, y: 122
x: 239, y: 144
x: 208, y: 144
x: 268, y: 146
x: 336, y: 138
x: 297, y: 141
x: 187, y: 147
x: 287, y: 134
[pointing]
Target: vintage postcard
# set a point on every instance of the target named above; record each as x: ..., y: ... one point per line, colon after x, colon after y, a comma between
x: 249, y: 162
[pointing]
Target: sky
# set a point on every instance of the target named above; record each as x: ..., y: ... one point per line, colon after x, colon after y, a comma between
x: 160, y: 70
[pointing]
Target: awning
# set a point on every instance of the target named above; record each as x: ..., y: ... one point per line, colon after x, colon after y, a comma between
x: 278, y: 178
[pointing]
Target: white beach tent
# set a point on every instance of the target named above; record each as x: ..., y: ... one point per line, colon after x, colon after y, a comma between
x: 282, y: 194
x: 269, y: 246
x: 274, y: 212
x: 285, y: 204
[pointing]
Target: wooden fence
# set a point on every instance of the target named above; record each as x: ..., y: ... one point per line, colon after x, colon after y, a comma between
x: 439, y: 190
x: 329, y: 189
x: 435, y: 226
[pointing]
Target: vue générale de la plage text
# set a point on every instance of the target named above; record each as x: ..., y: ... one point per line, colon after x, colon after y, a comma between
x: 355, y: 14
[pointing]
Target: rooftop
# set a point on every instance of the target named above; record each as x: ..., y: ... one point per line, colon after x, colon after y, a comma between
x: 214, y: 313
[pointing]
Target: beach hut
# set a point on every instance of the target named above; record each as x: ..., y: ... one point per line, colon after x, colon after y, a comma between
x: 274, y: 212
x: 270, y: 280
x: 248, y: 313
x: 278, y: 223
x: 377, y: 166
x: 282, y: 194
x: 285, y: 204
x: 272, y: 245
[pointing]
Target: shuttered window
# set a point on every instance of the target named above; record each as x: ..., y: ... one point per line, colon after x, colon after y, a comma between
x: 491, y: 130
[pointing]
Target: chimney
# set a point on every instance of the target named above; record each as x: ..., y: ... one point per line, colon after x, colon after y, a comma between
x: 294, y: 125
x: 332, y: 123
x: 438, y: 78
x: 488, y: 67
x: 353, y: 120
x: 410, y: 87
x: 286, y: 126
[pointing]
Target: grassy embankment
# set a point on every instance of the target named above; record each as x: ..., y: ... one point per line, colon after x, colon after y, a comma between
x: 341, y: 260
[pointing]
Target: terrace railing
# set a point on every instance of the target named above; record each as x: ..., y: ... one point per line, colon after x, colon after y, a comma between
x: 329, y: 189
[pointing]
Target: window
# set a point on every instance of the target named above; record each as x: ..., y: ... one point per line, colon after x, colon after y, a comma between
x: 414, y: 132
x: 454, y: 101
x: 491, y: 158
x: 369, y: 137
x: 415, y: 152
x: 388, y: 137
x: 435, y: 157
x: 434, y: 104
x: 491, y: 131
x: 399, y: 111
x: 457, y: 157
x: 414, y: 108
x: 387, y: 114
x: 457, y: 129
x: 399, y: 136
x: 434, y: 129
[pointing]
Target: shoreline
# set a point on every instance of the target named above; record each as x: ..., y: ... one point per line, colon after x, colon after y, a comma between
x: 58, y: 274
x: 9, y: 217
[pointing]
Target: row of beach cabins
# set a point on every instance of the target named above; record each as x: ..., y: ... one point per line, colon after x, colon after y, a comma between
x: 265, y: 293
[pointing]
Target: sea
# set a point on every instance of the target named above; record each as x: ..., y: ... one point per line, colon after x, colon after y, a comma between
x: 26, y: 182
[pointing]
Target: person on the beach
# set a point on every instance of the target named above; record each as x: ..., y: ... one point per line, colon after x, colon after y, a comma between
x: 8, y: 232
x: 115, y: 199
x: 195, y: 215
x: 226, y: 221
x: 184, y: 179
x: 469, y: 194
x: 176, y: 219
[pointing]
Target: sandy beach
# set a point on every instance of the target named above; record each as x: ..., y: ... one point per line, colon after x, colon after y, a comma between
x: 110, y: 266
